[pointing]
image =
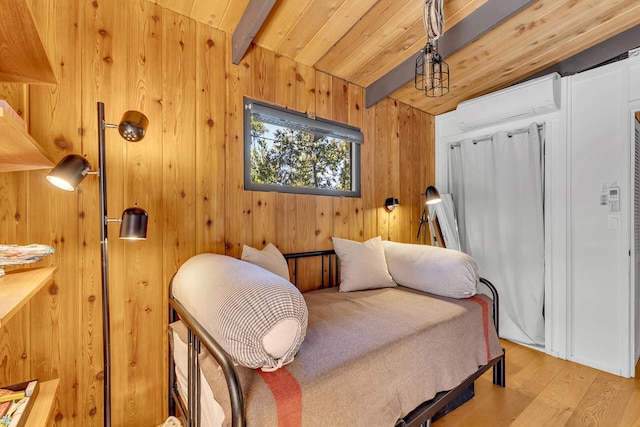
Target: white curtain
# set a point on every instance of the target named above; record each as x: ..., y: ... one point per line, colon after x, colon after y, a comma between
x: 497, y: 187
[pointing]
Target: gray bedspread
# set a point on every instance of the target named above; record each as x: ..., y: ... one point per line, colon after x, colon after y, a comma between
x: 369, y: 358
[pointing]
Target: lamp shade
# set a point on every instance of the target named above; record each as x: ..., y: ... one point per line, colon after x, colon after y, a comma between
x: 69, y: 172
x: 391, y: 203
x: 133, y: 125
x: 134, y: 224
x: 433, y: 196
x: 432, y: 73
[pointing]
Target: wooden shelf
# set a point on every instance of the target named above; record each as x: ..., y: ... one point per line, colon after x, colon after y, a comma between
x: 17, y: 288
x: 24, y: 59
x: 42, y: 407
x: 18, y: 150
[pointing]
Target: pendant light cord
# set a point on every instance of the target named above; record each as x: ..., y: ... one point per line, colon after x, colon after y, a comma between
x: 433, y: 19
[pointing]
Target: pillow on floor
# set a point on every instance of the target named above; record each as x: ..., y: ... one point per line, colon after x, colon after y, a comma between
x: 362, y: 265
x: 268, y: 258
x: 259, y: 318
x: 439, y: 271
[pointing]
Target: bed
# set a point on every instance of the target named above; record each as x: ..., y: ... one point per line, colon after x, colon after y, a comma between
x: 390, y: 355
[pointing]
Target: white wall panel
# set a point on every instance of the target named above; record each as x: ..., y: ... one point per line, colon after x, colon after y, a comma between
x: 598, y: 243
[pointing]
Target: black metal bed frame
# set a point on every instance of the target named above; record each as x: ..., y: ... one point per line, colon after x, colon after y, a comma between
x: 190, y: 413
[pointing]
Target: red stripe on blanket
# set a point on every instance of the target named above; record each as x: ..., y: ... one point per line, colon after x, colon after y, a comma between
x: 287, y: 394
x: 485, y: 322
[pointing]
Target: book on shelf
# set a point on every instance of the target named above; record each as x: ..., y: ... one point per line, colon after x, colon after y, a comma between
x: 16, y: 401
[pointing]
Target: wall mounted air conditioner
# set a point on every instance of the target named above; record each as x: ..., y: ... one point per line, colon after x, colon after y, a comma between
x: 531, y: 98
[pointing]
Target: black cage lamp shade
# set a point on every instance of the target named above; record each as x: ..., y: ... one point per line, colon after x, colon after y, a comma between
x: 69, y: 172
x: 432, y: 73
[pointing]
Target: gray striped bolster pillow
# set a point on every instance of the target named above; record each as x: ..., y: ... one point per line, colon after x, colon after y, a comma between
x: 258, y: 317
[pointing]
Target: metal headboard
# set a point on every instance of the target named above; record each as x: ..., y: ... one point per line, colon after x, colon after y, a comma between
x: 329, y: 260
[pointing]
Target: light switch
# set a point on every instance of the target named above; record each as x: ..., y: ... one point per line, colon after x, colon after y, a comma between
x: 614, y: 222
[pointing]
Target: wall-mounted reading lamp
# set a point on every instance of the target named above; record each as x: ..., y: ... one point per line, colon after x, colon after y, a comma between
x: 433, y: 197
x: 390, y: 205
x: 133, y: 224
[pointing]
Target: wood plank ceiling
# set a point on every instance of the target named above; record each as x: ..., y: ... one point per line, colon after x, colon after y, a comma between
x: 362, y: 41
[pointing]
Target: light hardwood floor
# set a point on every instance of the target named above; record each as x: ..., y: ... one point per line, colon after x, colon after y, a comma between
x: 544, y: 391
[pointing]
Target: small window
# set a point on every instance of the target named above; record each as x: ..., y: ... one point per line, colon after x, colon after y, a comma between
x: 289, y: 152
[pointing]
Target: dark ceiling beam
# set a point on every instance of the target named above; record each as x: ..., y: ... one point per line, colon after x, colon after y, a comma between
x: 610, y: 50
x: 483, y: 19
x: 249, y: 25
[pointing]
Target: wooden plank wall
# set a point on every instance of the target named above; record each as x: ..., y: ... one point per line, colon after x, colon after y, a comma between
x: 187, y: 173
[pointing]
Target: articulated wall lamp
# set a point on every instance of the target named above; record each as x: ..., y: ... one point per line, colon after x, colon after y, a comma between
x: 133, y: 225
x: 433, y: 197
x: 391, y: 203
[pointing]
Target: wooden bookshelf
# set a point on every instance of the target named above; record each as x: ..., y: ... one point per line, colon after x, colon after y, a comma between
x: 17, y: 288
x: 24, y: 58
x: 18, y: 150
x: 43, y: 406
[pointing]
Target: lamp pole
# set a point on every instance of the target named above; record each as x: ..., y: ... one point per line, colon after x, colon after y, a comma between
x: 423, y: 219
x: 106, y: 330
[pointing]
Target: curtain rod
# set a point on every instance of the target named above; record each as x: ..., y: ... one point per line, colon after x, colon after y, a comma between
x: 490, y: 137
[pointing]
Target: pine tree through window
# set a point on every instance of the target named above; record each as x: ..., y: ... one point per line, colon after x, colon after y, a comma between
x: 289, y: 152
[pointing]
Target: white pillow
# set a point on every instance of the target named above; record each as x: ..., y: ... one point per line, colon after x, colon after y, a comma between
x: 269, y: 258
x: 362, y: 265
x: 431, y: 269
x: 259, y: 318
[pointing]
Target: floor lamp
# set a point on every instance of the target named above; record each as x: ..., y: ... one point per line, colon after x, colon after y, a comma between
x: 433, y: 197
x: 67, y: 174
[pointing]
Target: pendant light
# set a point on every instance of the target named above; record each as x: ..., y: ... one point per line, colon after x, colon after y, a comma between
x: 432, y: 73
